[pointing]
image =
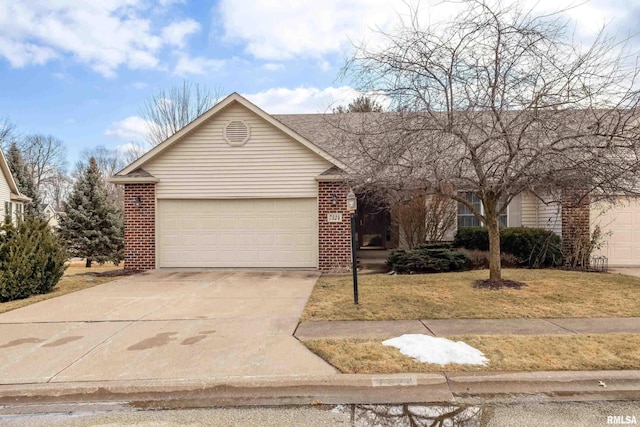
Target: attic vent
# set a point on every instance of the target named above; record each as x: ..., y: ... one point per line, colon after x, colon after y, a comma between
x: 236, y: 133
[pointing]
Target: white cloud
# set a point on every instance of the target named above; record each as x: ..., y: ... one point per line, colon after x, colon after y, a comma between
x: 105, y: 35
x: 139, y: 85
x: 197, y: 65
x: 272, y: 66
x: 133, y: 128
x: 176, y: 33
x: 305, y: 99
x: 284, y: 29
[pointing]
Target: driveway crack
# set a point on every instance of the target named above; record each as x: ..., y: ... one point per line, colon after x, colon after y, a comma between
x: 560, y: 326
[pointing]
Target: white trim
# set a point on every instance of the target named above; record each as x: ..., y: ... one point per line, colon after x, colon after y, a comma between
x: 132, y: 180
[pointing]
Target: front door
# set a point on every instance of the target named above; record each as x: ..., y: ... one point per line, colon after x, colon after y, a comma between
x: 373, y: 224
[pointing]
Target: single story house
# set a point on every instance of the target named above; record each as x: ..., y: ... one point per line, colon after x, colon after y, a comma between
x: 11, y: 200
x: 238, y: 187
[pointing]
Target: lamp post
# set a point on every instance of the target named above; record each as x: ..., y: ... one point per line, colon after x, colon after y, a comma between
x: 352, y: 206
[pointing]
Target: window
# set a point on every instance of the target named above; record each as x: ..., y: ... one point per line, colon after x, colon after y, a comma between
x: 467, y: 219
x: 19, y: 211
x: 8, y: 210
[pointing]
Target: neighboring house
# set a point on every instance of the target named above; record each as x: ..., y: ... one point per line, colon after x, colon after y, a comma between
x: 50, y: 215
x: 238, y: 187
x: 11, y: 200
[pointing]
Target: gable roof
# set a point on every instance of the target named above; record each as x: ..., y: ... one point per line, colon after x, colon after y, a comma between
x: 13, y: 187
x: 126, y: 173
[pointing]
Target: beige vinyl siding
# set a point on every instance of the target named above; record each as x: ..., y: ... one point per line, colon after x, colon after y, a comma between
x: 5, y: 195
x: 535, y: 213
x: 204, y: 166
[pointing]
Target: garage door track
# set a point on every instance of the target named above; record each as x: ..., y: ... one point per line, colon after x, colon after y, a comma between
x: 167, y: 324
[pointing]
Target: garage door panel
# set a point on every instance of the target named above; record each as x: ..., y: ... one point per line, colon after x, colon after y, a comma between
x: 620, y: 224
x: 237, y: 233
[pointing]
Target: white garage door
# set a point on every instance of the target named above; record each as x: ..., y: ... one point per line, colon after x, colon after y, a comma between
x: 620, y: 223
x: 237, y: 233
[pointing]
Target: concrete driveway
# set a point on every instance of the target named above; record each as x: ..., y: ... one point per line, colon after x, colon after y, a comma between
x: 168, y: 324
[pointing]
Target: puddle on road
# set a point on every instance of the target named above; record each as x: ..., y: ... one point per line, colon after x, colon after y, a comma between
x: 412, y: 415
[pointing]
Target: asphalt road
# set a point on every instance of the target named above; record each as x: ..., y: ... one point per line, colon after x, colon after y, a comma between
x: 494, y: 415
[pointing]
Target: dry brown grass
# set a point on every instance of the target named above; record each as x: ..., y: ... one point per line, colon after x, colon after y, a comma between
x: 505, y: 353
x: 76, y: 277
x: 549, y: 293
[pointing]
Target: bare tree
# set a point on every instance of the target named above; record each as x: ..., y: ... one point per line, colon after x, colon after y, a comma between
x: 168, y: 111
x: 7, y: 133
x: 44, y: 156
x: 56, y: 188
x: 497, y: 101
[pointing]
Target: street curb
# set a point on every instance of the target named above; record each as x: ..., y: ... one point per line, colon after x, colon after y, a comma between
x: 326, y: 389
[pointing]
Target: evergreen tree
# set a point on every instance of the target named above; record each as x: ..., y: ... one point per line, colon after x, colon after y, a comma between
x: 362, y: 104
x: 24, y: 181
x: 92, y: 226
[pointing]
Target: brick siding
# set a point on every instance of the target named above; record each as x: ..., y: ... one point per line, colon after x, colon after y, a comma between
x: 334, y: 240
x: 140, y: 227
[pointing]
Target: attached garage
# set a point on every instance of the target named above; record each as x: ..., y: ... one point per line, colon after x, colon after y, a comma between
x: 237, y: 233
x: 235, y: 188
x: 620, y: 224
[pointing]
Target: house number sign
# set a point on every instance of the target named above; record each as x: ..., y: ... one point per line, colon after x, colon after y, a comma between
x: 334, y: 217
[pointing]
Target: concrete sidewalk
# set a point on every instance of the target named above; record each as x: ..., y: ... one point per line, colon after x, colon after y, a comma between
x: 449, y: 327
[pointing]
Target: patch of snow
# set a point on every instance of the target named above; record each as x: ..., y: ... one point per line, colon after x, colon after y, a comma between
x: 440, y: 351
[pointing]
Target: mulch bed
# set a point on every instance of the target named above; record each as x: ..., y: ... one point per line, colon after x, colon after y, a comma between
x: 495, y: 284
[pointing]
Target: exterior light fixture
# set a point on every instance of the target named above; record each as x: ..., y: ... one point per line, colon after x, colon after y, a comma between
x: 334, y: 199
x: 352, y: 202
x: 138, y: 201
x: 352, y: 207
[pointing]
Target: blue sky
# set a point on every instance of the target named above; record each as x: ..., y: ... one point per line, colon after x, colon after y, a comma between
x: 81, y: 70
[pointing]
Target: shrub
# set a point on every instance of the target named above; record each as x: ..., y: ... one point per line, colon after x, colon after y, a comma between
x: 533, y: 247
x: 472, y: 238
x: 426, y: 259
x: 32, y: 259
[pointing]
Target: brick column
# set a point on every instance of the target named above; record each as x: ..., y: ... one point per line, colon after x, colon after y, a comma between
x: 334, y: 240
x: 576, y: 232
x: 140, y: 226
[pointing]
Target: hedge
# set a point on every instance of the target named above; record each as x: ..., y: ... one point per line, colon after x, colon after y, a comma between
x: 534, y: 247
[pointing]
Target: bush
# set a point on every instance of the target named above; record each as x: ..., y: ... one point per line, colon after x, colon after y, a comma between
x: 472, y: 238
x: 427, y: 259
x: 32, y: 259
x: 533, y: 247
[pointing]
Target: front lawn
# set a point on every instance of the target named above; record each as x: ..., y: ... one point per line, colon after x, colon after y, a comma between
x: 76, y: 277
x: 548, y: 294
x: 505, y: 353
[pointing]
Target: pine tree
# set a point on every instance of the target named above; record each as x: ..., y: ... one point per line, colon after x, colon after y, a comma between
x: 24, y: 181
x: 92, y: 226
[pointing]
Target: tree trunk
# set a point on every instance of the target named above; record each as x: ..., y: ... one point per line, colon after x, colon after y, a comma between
x: 88, y: 263
x: 495, y: 268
